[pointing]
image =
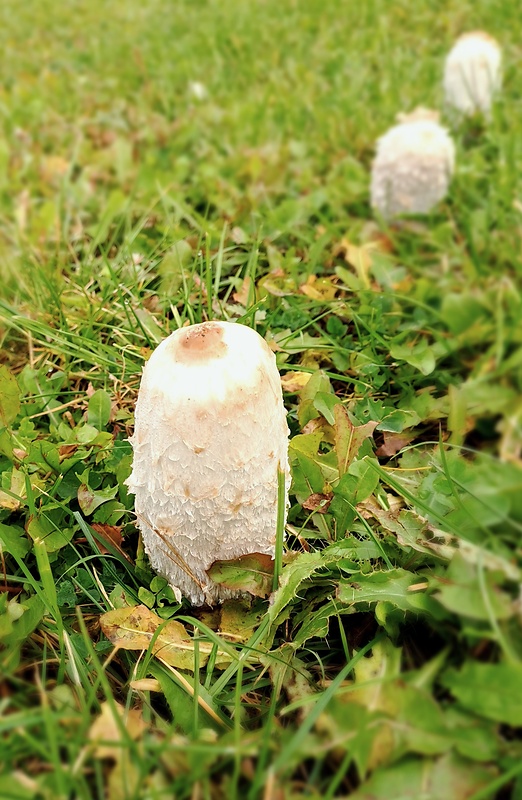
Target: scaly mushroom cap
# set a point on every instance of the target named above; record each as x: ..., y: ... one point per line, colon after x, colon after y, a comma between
x: 472, y: 73
x: 412, y: 167
x: 210, y: 435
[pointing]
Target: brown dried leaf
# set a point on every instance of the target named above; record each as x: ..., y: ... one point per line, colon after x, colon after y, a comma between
x: 243, y: 294
x: 318, y: 502
x: 111, y: 534
x: 393, y: 442
x: 66, y: 450
x: 135, y: 629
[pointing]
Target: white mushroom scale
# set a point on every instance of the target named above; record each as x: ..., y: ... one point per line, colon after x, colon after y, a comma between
x: 210, y: 438
x: 413, y: 166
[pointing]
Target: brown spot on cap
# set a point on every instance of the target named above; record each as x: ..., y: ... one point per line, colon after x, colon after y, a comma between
x: 197, y: 343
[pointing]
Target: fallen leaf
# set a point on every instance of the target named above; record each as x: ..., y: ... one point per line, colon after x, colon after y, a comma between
x: 112, y: 535
x: 124, y: 779
x: 318, y: 502
x: 243, y: 294
x: 135, y: 629
x: 293, y: 382
x: 319, y: 288
x: 17, y: 487
x: 358, y: 257
x: 66, y: 450
x: 393, y: 442
x: 53, y: 168
x: 105, y: 729
x: 251, y: 573
x: 239, y: 619
x: 145, y: 685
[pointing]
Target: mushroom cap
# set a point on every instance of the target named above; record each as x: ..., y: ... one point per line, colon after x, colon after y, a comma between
x: 210, y: 436
x: 413, y: 166
x: 472, y: 73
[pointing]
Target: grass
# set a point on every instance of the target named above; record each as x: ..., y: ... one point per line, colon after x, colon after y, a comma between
x: 387, y: 663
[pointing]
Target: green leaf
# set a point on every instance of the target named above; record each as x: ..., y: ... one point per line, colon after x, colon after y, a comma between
x: 398, y: 587
x: 14, y: 541
x: 146, y: 597
x: 33, y: 610
x: 420, y: 355
x: 251, y: 573
x: 66, y: 594
x: 312, y: 470
x: 99, y: 409
x: 53, y: 537
x: 446, y: 778
x: 462, y: 594
x: 324, y: 403
x: 367, y: 479
x: 9, y: 397
x: 489, y: 690
x: 89, y: 499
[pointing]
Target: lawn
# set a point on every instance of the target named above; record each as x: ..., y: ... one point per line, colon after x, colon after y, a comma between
x: 167, y: 163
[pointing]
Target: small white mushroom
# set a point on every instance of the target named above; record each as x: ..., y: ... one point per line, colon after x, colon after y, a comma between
x: 413, y: 165
x: 210, y: 437
x: 197, y: 90
x: 472, y: 73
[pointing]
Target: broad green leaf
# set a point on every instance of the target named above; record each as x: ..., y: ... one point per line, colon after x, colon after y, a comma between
x: 446, y: 778
x: 367, y: 479
x: 33, y: 610
x: 90, y: 499
x: 489, y: 690
x: 325, y: 403
x: 13, y: 540
x: 9, y: 397
x: 99, y: 409
x: 251, y: 573
x: 53, y: 537
x: 400, y: 588
x: 420, y: 355
x: 461, y: 592
x: 301, y: 568
x: 319, y: 383
x: 149, y: 325
x: 310, y: 469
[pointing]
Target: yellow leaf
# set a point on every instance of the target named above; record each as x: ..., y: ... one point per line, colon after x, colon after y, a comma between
x: 135, y: 628
x: 17, y: 487
x: 53, y: 167
x: 105, y: 729
x: 145, y: 685
x: 124, y: 779
x: 358, y: 257
x: 319, y: 288
x: 294, y: 381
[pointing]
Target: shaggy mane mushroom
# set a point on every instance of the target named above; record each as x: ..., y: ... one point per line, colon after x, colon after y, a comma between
x: 210, y: 437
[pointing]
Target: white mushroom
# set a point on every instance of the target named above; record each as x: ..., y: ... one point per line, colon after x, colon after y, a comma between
x: 210, y: 437
x: 472, y: 73
x: 413, y: 165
